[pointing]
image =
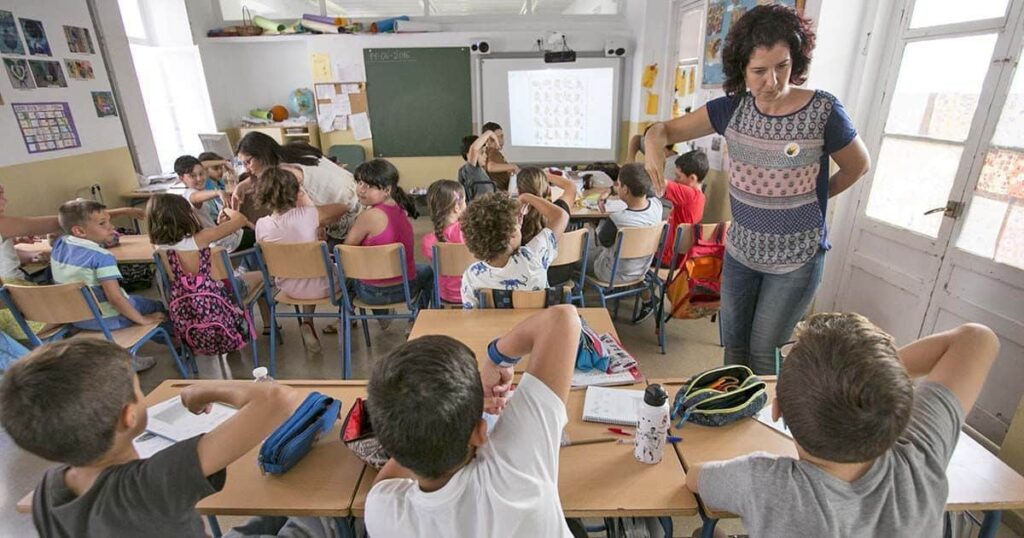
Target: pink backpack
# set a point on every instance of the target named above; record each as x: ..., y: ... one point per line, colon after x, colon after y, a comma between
x: 202, y: 313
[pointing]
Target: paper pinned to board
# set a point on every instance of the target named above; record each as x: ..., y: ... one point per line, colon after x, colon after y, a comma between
x: 321, y: 64
x: 325, y: 118
x: 341, y: 123
x: 361, y: 126
x: 325, y: 91
x: 342, y: 104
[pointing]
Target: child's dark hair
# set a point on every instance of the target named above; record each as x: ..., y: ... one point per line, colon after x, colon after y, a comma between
x: 488, y: 224
x: 77, y: 213
x: 184, y: 164
x: 533, y: 181
x: 170, y: 218
x: 442, y: 196
x: 209, y: 156
x: 467, y: 142
x: 383, y: 175
x: 766, y: 26
x: 277, y: 189
x: 490, y: 126
x: 63, y: 401
x: 693, y: 162
x: 635, y: 179
x: 268, y: 152
x: 425, y: 400
x: 842, y: 390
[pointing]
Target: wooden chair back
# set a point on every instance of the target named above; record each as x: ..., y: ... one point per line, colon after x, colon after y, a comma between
x: 190, y: 262
x: 57, y: 304
x: 641, y: 242
x: 294, y: 260
x: 570, y: 247
x: 376, y: 263
x: 453, y: 258
x: 522, y: 299
x: 684, y: 235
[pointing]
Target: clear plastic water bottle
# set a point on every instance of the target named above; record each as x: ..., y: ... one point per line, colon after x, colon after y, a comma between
x: 262, y: 375
x: 652, y: 426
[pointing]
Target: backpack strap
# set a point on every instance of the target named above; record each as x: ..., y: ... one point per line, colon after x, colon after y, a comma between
x: 719, y: 234
x: 204, y: 262
x: 172, y: 258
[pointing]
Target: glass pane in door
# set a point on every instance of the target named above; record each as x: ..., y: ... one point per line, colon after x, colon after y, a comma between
x: 936, y: 12
x: 995, y: 220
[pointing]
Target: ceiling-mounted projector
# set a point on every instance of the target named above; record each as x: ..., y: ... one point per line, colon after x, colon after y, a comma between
x: 559, y: 56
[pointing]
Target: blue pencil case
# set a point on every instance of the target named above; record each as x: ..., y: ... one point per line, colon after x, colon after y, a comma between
x: 293, y: 439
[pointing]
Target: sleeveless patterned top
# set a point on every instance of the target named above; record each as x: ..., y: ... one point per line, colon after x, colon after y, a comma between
x: 778, y: 178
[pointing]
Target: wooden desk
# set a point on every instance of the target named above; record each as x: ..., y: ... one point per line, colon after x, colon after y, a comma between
x: 583, y: 213
x: 132, y: 249
x: 978, y: 480
x: 139, y: 196
x: 476, y: 328
x: 602, y: 479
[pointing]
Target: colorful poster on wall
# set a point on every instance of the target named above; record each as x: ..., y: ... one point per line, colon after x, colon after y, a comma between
x: 80, y: 69
x: 19, y: 73
x: 35, y: 38
x: 104, y: 103
x: 721, y: 16
x: 10, y: 40
x: 48, y: 74
x: 46, y: 126
x: 79, y: 40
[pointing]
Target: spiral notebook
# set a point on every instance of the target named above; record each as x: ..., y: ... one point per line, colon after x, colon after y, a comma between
x: 612, y: 406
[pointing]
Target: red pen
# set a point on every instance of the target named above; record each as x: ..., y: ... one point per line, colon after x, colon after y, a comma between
x: 620, y: 431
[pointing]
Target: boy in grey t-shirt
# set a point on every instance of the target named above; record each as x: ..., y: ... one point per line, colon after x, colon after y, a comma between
x: 872, y: 450
x: 473, y: 175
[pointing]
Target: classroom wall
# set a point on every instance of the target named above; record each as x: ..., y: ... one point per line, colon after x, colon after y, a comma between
x: 38, y: 183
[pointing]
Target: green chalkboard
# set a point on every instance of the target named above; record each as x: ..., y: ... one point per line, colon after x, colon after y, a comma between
x: 419, y: 99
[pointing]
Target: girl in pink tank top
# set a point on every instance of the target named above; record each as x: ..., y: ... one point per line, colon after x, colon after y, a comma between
x: 387, y: 222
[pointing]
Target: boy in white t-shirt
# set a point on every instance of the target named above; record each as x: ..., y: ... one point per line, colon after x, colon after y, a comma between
x: 447, y: 476
x: 491, y: 226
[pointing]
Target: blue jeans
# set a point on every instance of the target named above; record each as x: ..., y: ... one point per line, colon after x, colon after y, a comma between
x: 143, y: 305
x: 423, y: 282
x: 759, y: 310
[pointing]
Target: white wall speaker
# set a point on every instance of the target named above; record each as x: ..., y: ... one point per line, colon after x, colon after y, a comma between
x: 480, y: 46
x: 614, y: 48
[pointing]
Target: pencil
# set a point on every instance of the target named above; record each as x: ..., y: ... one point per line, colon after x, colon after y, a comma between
x: 591, y: 441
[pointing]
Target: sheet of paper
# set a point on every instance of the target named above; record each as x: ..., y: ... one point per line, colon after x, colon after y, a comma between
x: 172, y: 420
x: 349, y: 73
x: 350, y: 88
x: 360, y: 126
x: 597, y: 377
x: 341, y: 123
x: 325, y: 91
x: 764, y: 416
x: 325, y: 118
x: 342, y: 105
x: 613, y: 205
x: 321, y: 64
x: 148, y: 444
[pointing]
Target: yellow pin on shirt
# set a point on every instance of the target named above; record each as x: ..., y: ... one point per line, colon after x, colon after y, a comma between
x: 792, y: 149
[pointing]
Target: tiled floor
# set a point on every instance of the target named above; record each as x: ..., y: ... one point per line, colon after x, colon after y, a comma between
x: 692, y: 347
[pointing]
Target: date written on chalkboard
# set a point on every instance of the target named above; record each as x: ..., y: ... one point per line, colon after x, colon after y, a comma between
x: 389, y: 55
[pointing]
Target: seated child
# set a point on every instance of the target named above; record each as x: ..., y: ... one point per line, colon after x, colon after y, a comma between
x: 219, y: 173
x: 497, y: 167
x: 536, y: 181
x: 446, y: 201
x: 78, y: 257
x: 473, y: 175
x: 447, y: 476
x: 243, y: 199
x: 384, y: 222
x: 872, y: 449
x: 491, y: 226
x: 683, y: 190
x: 632, y: 187
x: 76, y: 402
x: 209, y: 204
x: 294, y: 220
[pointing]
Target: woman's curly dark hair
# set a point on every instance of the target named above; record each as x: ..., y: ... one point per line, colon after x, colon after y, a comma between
x: 277, y: 189
x: 488, y: 223
x: 766, y: 26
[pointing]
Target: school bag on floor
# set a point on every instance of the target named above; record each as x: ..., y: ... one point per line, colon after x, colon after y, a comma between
x: 696, y: 287
x: 202, y: 314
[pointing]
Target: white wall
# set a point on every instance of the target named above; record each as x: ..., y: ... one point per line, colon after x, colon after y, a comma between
x: 96, y: 134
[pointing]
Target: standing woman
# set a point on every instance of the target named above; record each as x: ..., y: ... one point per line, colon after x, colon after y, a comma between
x: 323, y: 181
x: 780, y: 139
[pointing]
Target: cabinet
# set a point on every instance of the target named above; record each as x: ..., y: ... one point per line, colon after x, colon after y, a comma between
x: 308, y: 133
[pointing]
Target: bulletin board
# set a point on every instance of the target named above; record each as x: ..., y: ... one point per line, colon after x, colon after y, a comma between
x: 341, y: 106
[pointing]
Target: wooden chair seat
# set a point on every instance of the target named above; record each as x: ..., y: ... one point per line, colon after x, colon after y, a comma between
x: 254, y: 283
x: 283, y: 298
x: 49, y: 330
x: 663, y: 273
x: 358, y: 303
x: 606, y: 284
x: 126, y: 338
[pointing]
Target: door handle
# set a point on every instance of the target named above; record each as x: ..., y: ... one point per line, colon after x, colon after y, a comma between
x: 952, y: 209
x: 935, y: 210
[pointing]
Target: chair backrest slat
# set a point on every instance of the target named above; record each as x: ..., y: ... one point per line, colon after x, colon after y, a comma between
x: 453, y: 258
x: 294, y: 260
x: 570, y: 247
x: 376, y: 263
x: 522, y: 298
x: 57, y: 304
x: 190, y: 262
x: 685, y: 239
x: 640, y: 242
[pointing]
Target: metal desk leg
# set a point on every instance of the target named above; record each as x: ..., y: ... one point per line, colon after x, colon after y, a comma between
x: 666, y: 523
x: 708, y: 530
x: 214, y: 526
x: 990, y: 523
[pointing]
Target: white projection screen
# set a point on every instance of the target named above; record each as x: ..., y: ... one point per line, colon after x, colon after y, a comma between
x: 554, y: 113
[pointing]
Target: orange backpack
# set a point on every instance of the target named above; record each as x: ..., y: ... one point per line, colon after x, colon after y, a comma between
x: 695, y: 289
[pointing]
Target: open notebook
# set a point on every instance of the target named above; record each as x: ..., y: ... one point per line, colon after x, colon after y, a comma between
x: 612, y: 406
x: 171, y: 420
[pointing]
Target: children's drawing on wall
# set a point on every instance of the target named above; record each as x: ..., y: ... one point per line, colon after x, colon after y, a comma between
x: 48, y: 74
x: 46, y: 126
x: 19, y: 73
x: 721, y: 16
x: 10, y: 40
x: 35, y: 37
x: 79, y: 40
x: 80, y: 69
x: 104, y: 103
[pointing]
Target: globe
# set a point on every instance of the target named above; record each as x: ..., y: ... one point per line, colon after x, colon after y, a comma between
x: 301, y: 102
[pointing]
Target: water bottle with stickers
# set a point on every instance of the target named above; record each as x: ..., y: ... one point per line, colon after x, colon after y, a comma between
x: 652, y: 426
x: 262, y: 375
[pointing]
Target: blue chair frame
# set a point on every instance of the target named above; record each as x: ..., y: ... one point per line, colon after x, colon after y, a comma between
x: 340, y: 315
x: 677, y: 255
x: 435, y: 264
x: 650, y: 281
x: 156, y: 333
x: 579, y: 283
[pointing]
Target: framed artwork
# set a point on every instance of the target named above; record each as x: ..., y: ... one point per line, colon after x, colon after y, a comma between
x: 46, y: 126
x: 35, y: 38
x: 721, y: 16
x: 79, y: 40
x: 48, y: 74
x: 19, y: 73
x: 10, y: 39
x: 104, y: 103
x: 80, y: 69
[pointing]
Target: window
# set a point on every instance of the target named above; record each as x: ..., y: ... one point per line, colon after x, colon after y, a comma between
x: 936, y: 12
